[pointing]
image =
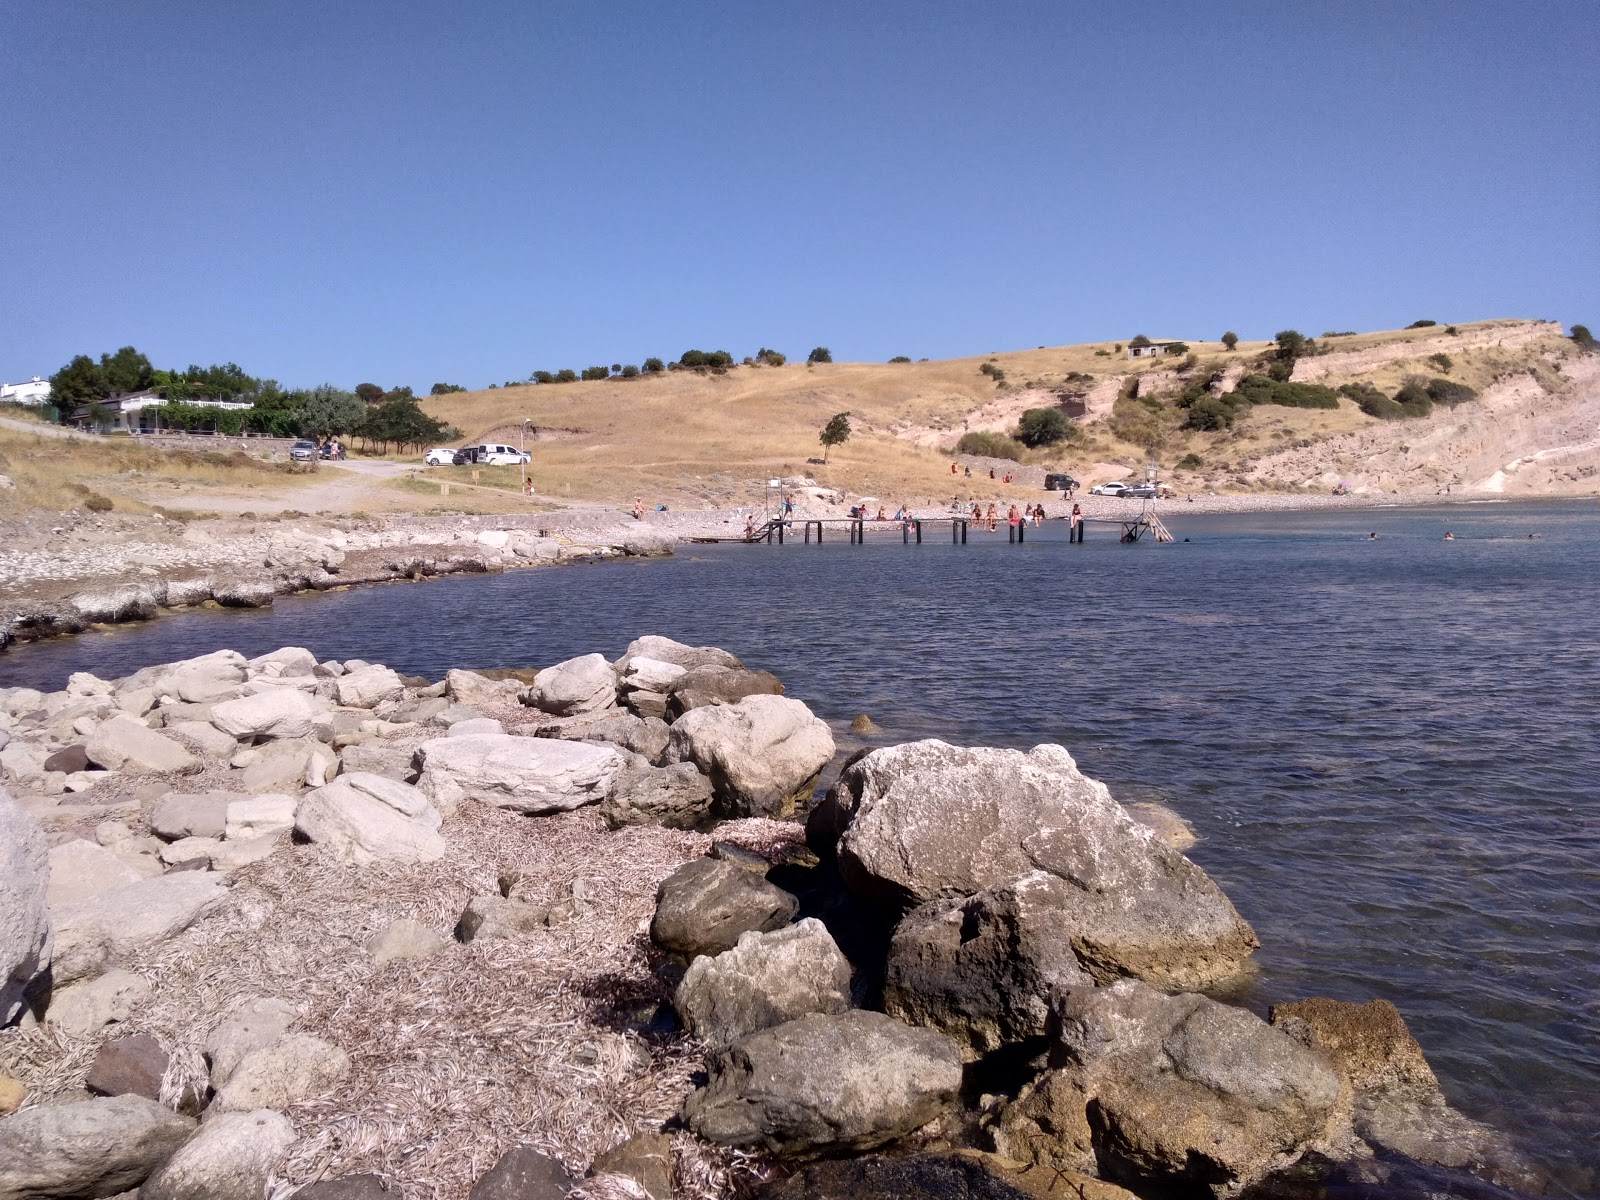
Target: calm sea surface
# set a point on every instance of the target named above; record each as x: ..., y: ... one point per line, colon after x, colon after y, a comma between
x: 1390, y: 749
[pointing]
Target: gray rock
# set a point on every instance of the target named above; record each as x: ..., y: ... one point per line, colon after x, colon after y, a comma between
x: 91, y: 1148
x: 762, y: 754
x: 476, y: 725
x: 252, y: 1023
x: 81, y: 868
x: 765, y: 980
x: 259, y: 816
x: 24, y: 910
x: 711, y: 684
x: 403, y: 939
x: 367, y: 818
x: 376, y: 758
x: 492, y: 917
x: 280, y: 713
x: 109, y: 927
x: 583, y: 684
x: 231, y: 1158
x: 927, y: 821
x: 646, y: 705
x: 282, y: 767
x: 648, y: 674
x: 982, y: 969
x: 645, y: 736
x: 679, y: 796
x: 69, y: 760
x: 128, y: 744
x: 201, y: 814
x: 531, y: 775
x: 290, y: 662
x: 293, y: 1068
x: 86, y: 1007
x: 369, y: 687
x: 189, y: 853
x: 129, y: 1066
x: 204, y: 737
x: 350, y: 1187
x: 664, y: 649
x: 243, y: 593
x: 703, y: 907
x: 230, y: 856
x: 523, y: 1174
x: 472, y: 690
x: 1175, y: 1091
x: 851, y: 1081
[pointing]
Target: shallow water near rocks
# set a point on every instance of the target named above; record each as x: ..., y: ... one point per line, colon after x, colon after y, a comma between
x: 1390, y: 749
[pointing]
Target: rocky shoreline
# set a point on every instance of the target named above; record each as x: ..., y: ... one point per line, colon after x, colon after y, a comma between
x: 277, y: 927
x: 62, y: 573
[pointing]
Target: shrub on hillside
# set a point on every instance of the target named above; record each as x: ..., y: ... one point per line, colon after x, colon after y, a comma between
x: 1044, y: 427
x: 592, y: 373
x: 1413, y: 398
x: 445, y: 389
x: 1230, y: 340
x: 990, y: 445
x: 542, y: 377
x: 1372, y: 402
x: 770, y: 358
x: 1422, y: 325
x: 901, y: 358
x: 653, y: 366
x: 629, y: 372
x: 1177, y: 348
x: 1209, y: 413
x: 1584, y: 340
x: 1262, y: 389
x: 993, y: 372
x: 1190, y: 462
x: 820, y: 354
x: 1442, y: 361
x: 566, y: 375
x: 1449, y: 393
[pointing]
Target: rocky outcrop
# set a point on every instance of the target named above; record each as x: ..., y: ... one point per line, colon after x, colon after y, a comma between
x: 231, y: 1158
x: 982, y: 969
x: 703, y: 907
x: 579, y: 685
x: 279, y: 713
x: 713, y: 684
x: 530, y: 775
x: 664, y: 649
x: 24, y: 912
x: 678, y: 796
x: 1174, y: 1092
x: 826, y: 1084
x: 91, y: 1148
x: 369, y: 687
x: 365, y: 818
x: 762, y: 754
x: 127, y: 744
x: 928, y: 821
x: 765, y: 980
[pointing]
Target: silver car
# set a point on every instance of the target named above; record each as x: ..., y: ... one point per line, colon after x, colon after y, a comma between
x: 303, y: 451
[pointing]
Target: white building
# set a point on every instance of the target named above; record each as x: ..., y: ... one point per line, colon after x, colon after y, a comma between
x: 1152, y: 349
x: 33, y: 393
x: 138, y: 412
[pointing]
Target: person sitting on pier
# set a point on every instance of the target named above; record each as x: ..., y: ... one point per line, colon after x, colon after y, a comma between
x: 1075, y: 524
x: 750, y: 528
x: 991, y: 518
x: 882, y: 516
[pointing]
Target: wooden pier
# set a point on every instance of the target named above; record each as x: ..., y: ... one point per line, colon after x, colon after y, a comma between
x: 778, y: 531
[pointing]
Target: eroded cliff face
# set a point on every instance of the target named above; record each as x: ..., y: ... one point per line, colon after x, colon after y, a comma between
x: 1518, y: 439
x: 1498, y: 335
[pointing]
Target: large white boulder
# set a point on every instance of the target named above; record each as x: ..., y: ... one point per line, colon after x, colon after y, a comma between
x: 95, y: 1147
x: 281, y: 713
x: 365, y: 818
x: 583, y: 684
x: 259, y: 816
x: 24, y: 910
x: 128, y: 744
x: 531, y: 775
x: 369, y: 687
x: 291, y: 662
x: 81, y: 868
x: 100, y: 930
x: 230, y: 1158
x: 763, y: 754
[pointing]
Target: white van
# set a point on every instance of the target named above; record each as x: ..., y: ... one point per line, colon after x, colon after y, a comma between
x: 492, y: 454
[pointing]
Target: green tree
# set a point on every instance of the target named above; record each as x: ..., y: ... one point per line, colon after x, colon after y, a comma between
x: 79, y: 382
x: 329, y: 410
x: 1208, y: 413
x: 1177, y: 348
x: 400, y: 422
x: 820, y: 355
x: 900, y: 358
x: 629, y: 372
x: 566, y: 375
x: 1230, y: 340
x: 126, y: 371
x: 1291, y: 344
x: 770, y: 358
x: 370, y: 393
x: 1139, y: 340
x: 653, y: 366
x: 590, y: 373
x: 1583, y: 339
x: 835, y: 433
x: 1043, y: 427
x: 445, y: 389
x: 542, y: 377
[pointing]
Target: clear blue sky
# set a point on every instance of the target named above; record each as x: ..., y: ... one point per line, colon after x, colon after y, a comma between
x: 417, y: 192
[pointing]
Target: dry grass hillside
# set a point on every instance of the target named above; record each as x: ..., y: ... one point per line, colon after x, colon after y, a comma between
x: 712, y: 437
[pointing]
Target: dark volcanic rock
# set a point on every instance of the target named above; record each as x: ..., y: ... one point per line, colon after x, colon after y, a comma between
x: 703, y: 907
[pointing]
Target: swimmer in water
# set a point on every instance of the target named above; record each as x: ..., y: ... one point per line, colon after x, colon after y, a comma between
x: 1372, y: 537
x: 1449, y: 537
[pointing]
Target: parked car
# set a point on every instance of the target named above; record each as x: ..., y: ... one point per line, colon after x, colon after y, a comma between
x: 440, y: 456
x: 465, y: 456
x: 303, y: 451
x: 1141, y: 491
x: 493, y: 454
x: 1059, y: 482
x: 1115, y: 488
